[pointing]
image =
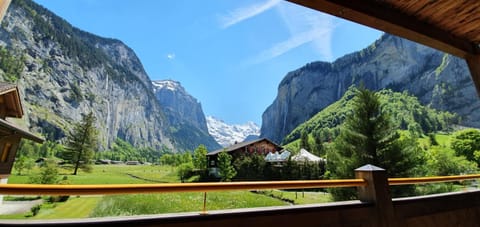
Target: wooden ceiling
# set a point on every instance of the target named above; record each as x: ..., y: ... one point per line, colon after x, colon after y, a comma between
x: 452, y: 26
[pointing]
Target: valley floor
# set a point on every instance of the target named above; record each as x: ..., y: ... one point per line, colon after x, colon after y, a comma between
x: 126, y: 205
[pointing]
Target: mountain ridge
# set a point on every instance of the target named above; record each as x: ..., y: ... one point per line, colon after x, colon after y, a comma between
x: 67, y: 72
x: 184, y: 112
x: 437, y: 79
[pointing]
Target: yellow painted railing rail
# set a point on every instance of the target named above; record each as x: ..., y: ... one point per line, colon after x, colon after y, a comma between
x: 108, y: 189
x: 435, y: 179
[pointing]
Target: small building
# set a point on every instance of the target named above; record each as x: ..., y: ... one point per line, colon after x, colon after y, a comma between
x: 10, y: 134
x: 261, y: 146
x: 304, y: 156
x: 103, y: 162
x: 278, y: 158
x: 132, y: 162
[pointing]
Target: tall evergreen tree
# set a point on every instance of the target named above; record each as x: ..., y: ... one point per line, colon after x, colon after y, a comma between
x: 368, y: 137
x: 81, y: 143
x: 304, y: 141
x: 317, y: 147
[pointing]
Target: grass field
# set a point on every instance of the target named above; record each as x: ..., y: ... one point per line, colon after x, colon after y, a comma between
x: 125, y: 205
x: 76, y: 207
x: 300, y: 197
x: 120, y: 205
x: 112, y: 174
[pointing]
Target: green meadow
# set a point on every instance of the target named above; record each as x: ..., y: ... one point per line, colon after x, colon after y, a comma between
x: 154, y: 203
x: 111, y: 174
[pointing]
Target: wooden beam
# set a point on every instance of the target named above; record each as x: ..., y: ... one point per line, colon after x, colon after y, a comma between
x: 3, y: 8
x: 473, y: 62
x: 371, y: 13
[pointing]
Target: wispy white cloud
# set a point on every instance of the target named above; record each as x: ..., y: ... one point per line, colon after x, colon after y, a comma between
x: 171, y: 56
x: 319, y: 37
x: 244, y: 13
x: 306, y: 27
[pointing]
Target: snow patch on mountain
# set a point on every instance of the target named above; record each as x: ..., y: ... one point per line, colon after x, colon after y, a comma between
x: 227, y: 135
x: 167, y: 84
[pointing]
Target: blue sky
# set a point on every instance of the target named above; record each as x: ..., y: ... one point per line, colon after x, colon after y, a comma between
x: 229, y: 54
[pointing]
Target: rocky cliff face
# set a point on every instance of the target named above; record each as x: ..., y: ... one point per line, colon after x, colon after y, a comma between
x: 179, y: 106
x: 67, y: 72
x: 437, y: 79
x: 183, y: 112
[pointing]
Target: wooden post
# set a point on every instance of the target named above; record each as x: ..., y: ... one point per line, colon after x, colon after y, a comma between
x: 204, y: 210
x: 3, y: 180
x: 376, y: 192
x: 473, y: 62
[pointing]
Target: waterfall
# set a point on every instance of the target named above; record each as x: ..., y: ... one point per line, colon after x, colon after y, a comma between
x: 107, y: 119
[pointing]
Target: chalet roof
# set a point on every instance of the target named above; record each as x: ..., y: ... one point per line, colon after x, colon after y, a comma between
x: 10, y: 100
x: 452, y: 26
x: 240, y: 145
x: 6, y: 87
x: 7, y: 128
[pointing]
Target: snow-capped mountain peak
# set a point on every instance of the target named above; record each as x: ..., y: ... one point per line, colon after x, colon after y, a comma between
x: 227, y: 135
x: 167, y: 84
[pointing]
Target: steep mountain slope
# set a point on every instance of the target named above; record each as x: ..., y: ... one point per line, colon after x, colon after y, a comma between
x: 184, y: 113
x: 65, y: 72
x: 227, y: 135
x: 439, y: 80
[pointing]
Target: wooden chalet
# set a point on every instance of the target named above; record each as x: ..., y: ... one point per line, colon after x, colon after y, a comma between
x: 261, y: 146
x: 10, y: 134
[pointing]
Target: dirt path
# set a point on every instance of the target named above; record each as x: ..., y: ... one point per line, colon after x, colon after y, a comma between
x: 17, y: 207
x: 145, y: 179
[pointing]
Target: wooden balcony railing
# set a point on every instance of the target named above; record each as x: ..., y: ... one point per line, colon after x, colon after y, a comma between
x: 106, y: 189
x: 103, y: 189
x: 375, y: 208
x: 435, y: 179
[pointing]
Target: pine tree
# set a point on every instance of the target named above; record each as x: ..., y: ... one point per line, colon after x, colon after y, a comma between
x: 304, y: 143
x: 318, y: 148
x: 81, y: 143
x: 368, y: 137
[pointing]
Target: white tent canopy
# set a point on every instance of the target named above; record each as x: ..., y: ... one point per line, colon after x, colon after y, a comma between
x: 305, y: 156
x: 277, y: 156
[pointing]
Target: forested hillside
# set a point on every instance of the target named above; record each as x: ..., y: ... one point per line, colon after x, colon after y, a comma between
x: 405, y: 110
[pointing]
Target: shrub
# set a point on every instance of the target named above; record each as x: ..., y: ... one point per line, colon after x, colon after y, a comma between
x: 35, y: 209
x: 56, y: 199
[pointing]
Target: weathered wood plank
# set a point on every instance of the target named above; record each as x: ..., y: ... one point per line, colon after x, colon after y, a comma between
x: 473, y: 63
x: 384, y: 17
